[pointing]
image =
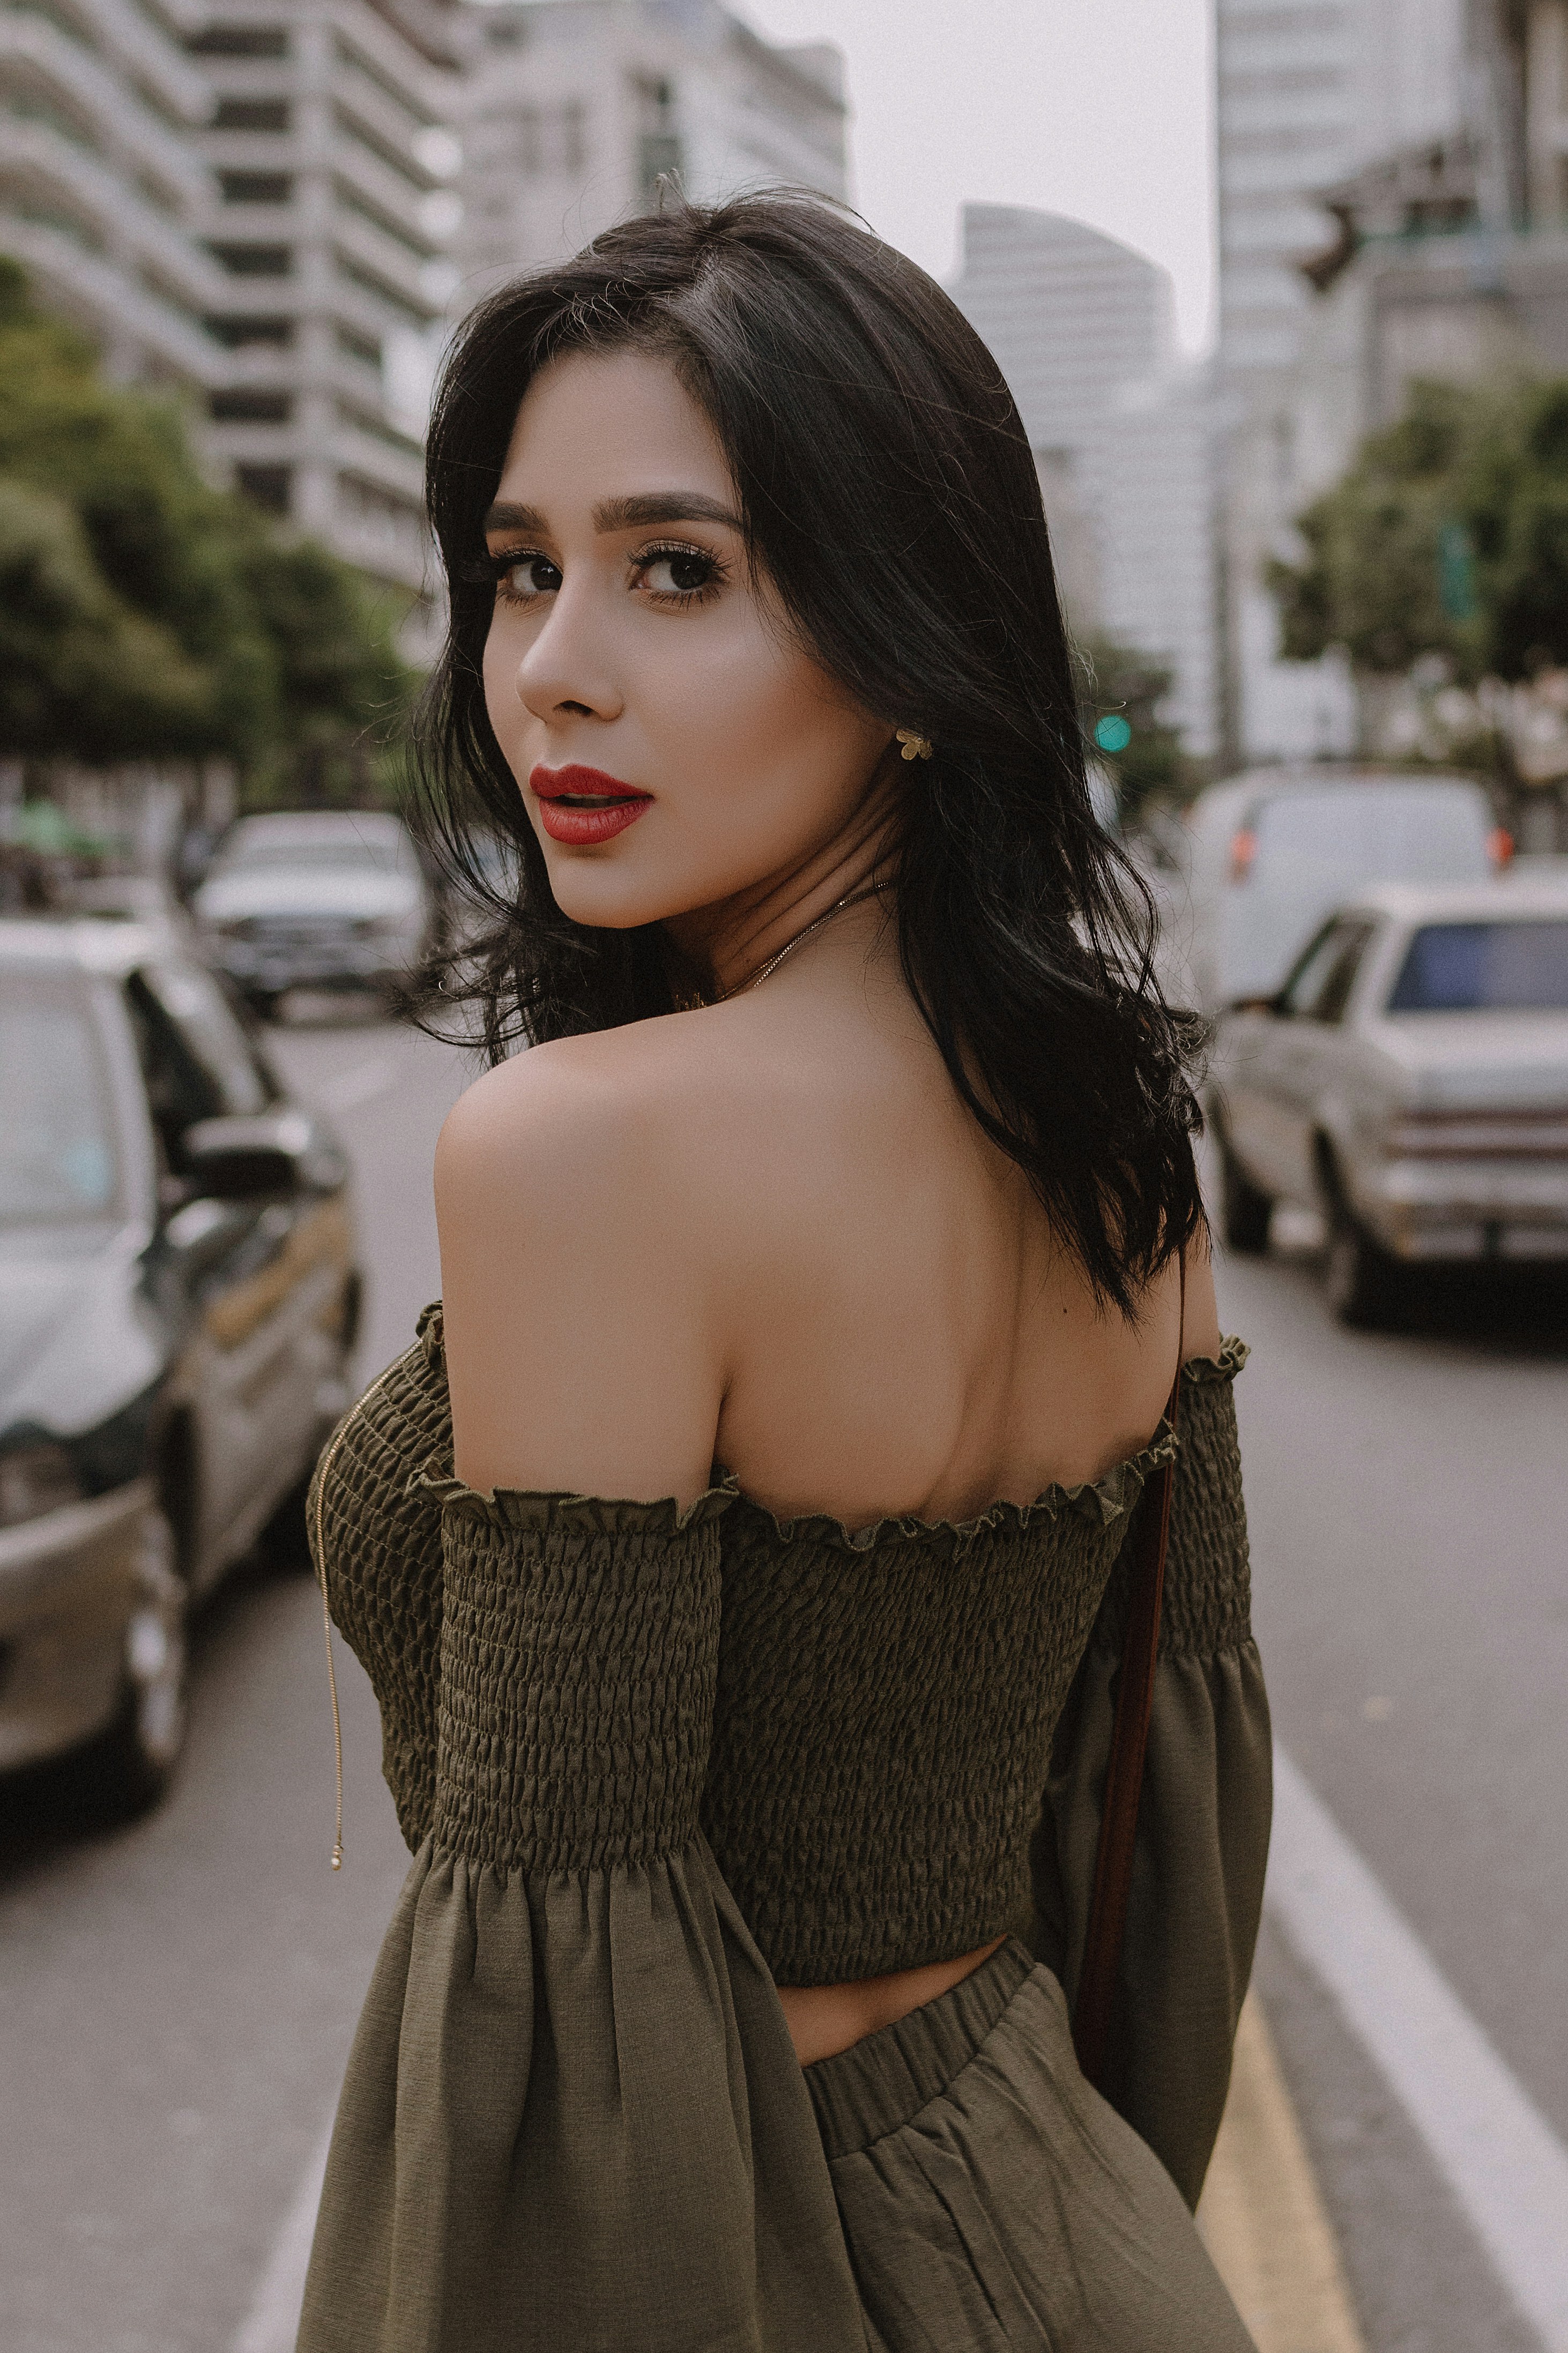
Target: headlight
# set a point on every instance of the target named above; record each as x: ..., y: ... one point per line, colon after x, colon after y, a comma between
x: 34, y: 1480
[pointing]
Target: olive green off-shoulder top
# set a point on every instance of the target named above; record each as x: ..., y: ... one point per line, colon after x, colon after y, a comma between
x: 655, y: 1763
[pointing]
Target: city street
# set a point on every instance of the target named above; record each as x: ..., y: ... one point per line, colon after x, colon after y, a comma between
x: 177, y: 1997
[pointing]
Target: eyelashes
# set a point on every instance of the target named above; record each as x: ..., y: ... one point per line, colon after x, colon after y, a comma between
x: 673, y: 557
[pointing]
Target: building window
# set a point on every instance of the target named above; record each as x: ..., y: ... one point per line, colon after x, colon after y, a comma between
x: 256, y: 187
x: 251, y: 409
x: 251, y: 114
x: 264, y: 486
x: 239, y: 41
x: 235, y: 333
x: 256, y: 261
x: 358, y: 346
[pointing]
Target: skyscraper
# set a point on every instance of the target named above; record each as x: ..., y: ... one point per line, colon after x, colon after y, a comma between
x: 1083, y: 329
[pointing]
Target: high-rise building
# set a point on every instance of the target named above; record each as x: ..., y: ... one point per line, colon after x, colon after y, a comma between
x: 329, y: 211
x: 1083, y: 330
x: 1308, y: 91
x: 101, y: 187
x: 576, y: 108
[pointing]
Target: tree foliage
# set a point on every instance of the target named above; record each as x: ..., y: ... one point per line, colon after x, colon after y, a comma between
x: 146, y: 614
x: 1448, y: 535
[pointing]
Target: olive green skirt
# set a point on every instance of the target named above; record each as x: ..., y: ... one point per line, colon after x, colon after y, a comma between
x: 991, y: 2200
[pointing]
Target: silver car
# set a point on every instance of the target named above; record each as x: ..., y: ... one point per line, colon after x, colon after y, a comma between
x: 1410, y: 1080
x: 178, y: 1304
x: 314, y: 898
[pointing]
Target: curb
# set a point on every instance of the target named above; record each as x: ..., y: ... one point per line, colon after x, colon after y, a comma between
x: 1262, y: 2215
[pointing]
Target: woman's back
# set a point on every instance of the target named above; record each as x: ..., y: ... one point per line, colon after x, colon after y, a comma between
x: 769, y: 1233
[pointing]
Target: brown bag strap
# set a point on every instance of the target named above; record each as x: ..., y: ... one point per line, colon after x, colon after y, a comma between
x: 1129, y: 1741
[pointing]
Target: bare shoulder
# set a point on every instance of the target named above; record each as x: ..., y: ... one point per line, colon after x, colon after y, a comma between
x: 578, y: 1265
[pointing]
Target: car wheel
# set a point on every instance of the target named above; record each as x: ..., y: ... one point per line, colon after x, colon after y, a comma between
x: 1245, y: 1212
x: 1363, y: 1282
x: 132, y: 1765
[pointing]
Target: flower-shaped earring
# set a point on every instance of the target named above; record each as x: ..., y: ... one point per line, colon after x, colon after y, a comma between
x: 916, y: 746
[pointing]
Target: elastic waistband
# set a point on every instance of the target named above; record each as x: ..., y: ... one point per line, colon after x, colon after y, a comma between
x: 879, y: 2085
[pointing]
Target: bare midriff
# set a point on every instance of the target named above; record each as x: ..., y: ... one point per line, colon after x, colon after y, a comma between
x: 824, y: 2019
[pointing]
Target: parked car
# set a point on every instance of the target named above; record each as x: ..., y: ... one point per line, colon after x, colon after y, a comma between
x: 314, y: 898
x: 1271, y: 853
x: 1411, y: 1081
x: 178, y: 1299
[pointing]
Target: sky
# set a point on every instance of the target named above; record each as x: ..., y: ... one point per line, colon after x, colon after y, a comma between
x: 1099, y: 108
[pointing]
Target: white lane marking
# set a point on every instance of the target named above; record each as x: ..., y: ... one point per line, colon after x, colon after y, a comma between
x: 1499, y: 2154
x: 360, y: 1084
x: 272, y: 2324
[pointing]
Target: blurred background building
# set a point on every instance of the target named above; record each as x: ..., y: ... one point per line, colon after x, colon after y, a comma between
x: 327, y: 211
x: 1392, y: 208
x: 1121, y: 431
x: 574, y: 108
x: 103, y: 189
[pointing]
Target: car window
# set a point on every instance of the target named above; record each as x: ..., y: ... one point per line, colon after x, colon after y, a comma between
x: 1509, y: 967
x: 1320, y: 987
x: 1302, y: 984
x: 58, y: 1158
x: 197, y: 1058
x: 1351, y: 834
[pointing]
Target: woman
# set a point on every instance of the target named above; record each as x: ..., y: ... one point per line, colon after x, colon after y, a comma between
x: 837, y: 1216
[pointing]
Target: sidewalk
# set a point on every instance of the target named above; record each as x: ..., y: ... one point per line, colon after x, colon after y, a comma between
x: 1262, y: 2216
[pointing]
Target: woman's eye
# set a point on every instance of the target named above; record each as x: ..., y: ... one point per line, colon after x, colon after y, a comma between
x: 522, y: 577
x: 678, y: 572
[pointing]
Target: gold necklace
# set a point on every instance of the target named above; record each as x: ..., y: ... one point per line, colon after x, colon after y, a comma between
x: 754, y: 980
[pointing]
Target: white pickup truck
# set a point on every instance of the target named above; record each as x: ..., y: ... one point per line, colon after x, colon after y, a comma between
x: 1410, y: 1080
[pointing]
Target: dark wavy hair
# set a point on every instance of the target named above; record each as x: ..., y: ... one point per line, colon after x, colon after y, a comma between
x: 888, y: 492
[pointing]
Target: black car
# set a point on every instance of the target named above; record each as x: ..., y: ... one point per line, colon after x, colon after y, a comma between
x: 178, y: 1301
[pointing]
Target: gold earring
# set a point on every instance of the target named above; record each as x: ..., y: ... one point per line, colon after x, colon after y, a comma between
x: 916, y: 746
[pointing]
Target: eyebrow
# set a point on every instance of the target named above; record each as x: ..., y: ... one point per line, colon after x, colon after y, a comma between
x: 623, y: 514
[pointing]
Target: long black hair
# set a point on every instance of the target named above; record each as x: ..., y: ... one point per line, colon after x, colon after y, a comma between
x: 888, y: 492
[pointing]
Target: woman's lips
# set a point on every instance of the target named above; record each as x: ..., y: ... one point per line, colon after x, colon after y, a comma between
x: 583, y: 805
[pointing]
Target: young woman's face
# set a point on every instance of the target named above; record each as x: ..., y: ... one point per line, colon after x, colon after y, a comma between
x: 674, y: 746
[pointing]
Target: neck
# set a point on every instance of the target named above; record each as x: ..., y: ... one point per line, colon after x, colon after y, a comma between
x: 725, y: 943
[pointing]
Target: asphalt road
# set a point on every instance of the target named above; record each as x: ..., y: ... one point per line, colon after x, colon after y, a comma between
x: 176, y: 1999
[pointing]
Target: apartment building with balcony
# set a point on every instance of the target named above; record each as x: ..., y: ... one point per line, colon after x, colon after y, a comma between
x: 329, y: 211
x: 102, y: 189
x: 575, y: 108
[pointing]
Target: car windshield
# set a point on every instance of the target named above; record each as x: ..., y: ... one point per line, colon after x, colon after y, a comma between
x: 382, y: 854
x: 1374, y: 833
x: 57, y: 1140
x: 1510, y: 967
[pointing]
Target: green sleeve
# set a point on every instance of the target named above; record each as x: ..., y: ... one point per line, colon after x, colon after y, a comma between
x: 1203, y: 1815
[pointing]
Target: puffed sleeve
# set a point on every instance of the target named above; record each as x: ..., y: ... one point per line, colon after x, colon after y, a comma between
x: 1203, y: 1815
x: 573, y: 2115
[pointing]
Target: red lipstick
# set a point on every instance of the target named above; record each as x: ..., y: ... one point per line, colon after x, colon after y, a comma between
x: 583, y: 805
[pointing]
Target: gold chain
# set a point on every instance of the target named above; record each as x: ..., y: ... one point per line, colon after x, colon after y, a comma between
x: 754, y: 980
x: 322, y: 1469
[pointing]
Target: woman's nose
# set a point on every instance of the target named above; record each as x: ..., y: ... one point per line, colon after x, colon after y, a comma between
x: 568, y: 667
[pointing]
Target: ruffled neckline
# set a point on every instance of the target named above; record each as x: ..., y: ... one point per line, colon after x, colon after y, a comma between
x: 1103, y: 1500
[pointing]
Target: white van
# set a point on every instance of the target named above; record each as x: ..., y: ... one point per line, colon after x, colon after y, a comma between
x: 1272, y: 853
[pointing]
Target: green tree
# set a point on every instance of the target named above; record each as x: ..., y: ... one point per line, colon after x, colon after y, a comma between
x: 1447, y: 535
x: 151, y: 614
